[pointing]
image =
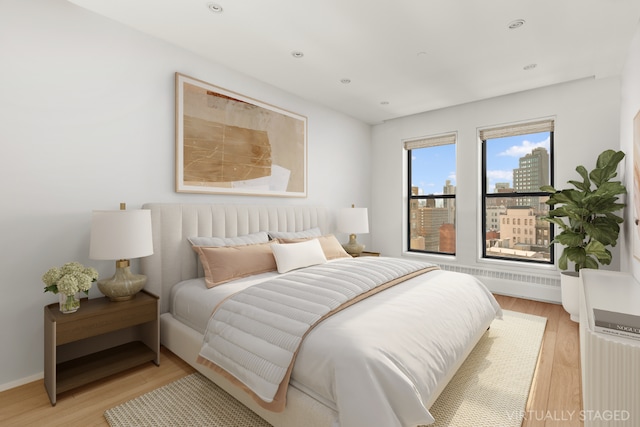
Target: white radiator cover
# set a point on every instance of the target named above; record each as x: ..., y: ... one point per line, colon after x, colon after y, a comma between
x: 610, y: 365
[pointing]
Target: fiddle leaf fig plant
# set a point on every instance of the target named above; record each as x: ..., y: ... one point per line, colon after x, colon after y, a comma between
x: 585, y: 215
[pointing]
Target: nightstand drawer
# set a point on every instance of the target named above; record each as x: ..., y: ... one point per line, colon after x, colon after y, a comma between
x: 90, y: 320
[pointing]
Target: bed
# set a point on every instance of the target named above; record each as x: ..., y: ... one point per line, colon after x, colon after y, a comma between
x: 321, y: 392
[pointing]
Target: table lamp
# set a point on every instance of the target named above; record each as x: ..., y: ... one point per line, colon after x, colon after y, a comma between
x: 353, y: 221
x: 121, y: 235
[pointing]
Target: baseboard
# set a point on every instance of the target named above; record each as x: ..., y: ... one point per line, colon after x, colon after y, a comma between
x: 22, y: 381
x: 523, y: 290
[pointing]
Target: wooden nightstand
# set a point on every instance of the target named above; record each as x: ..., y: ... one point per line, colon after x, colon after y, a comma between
x: 367, y: 253
x: 100, y: 339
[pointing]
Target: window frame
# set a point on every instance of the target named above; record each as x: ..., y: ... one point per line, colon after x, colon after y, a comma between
x: 450, y: 138
x: 522, y: 129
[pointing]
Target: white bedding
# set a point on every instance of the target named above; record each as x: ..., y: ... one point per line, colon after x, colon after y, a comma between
x: 413, y: 332
x: 192, y: 302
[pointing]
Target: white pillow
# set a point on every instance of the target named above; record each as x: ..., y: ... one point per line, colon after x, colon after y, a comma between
x: 311, y: 232
x: 247, y: 239
x: 290, y: 256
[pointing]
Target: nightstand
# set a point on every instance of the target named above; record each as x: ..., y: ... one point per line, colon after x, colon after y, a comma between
x: 367, y: 253
x: 100, y: 339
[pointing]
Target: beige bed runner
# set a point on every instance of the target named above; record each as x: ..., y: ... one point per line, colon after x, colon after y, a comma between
x: 253, y: 337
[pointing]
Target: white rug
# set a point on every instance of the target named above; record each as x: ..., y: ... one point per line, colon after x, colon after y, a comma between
x: 490, y: 389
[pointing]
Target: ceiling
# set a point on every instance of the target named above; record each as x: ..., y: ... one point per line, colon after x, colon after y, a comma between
x: 376, y: 60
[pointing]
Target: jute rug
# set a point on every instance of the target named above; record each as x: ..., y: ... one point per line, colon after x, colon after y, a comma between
x: 490, y: 389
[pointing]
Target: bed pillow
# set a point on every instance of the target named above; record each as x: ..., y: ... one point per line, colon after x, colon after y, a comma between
x: 330, y: 245
x: 247, y: 239
x: 291, y: 256
x: 311, y: 232
x: 226, y: 263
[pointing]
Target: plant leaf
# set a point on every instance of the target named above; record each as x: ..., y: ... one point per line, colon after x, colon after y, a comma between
x: 606, y: 166
x: 562, y: 261
x: 570, y: 238
x: 598, y: 250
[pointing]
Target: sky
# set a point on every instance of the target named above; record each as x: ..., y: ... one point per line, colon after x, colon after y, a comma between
x: 431, y: 167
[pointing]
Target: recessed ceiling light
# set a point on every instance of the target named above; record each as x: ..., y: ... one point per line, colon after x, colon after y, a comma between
x: 297, y: 54
x: 345, y: 81
x: 516, y: 24
x: 215, y: 7
x: 529, y: 67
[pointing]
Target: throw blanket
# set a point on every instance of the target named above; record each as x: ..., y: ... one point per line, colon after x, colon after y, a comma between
x: 253, y: 337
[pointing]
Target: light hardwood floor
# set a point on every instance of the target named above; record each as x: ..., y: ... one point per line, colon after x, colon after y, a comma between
x: 555, y: 398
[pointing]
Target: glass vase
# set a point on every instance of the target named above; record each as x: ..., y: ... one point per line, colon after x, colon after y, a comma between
x: 68, y: 303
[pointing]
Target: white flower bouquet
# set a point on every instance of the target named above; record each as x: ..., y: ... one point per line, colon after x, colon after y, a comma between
x: 69, y: 279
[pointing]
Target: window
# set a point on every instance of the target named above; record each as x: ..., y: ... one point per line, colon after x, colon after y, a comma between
x: 516, y: 162
x: 432, y: 194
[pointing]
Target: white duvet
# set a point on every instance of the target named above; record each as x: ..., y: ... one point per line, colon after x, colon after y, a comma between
x: 378, y: 363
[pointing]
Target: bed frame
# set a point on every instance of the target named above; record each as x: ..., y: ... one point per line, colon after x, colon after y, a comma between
x: 174, y: 260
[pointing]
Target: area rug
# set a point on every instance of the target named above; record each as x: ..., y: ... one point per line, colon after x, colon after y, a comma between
x: 490, y: 389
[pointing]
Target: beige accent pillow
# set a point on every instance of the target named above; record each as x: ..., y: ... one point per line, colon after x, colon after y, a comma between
x: 227, y: 263
x: 330, y: 246
x: 291, y: 256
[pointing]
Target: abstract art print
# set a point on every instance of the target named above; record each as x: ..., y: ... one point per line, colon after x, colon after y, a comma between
x: 227, y: 143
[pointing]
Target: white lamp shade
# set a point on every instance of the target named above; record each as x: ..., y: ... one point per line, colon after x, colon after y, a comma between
x: 120, y: 234
x: 353, y: 220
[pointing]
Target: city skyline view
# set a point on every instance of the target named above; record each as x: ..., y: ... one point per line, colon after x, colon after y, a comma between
x: 432, y: 167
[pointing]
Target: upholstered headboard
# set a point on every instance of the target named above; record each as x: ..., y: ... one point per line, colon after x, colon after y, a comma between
x: 173, y: 260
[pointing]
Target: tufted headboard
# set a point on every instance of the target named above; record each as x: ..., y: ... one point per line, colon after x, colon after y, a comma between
x: 173, y: 260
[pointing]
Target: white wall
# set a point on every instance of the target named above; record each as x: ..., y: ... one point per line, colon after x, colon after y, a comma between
x: 586, y: 116
x: 87, y: 121
x: 630, y: 107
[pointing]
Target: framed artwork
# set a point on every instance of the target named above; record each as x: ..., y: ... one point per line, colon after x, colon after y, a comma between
x: 227, y: 143
x: 636, y: 186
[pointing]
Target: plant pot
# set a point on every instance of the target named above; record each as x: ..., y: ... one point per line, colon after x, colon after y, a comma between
x: 570, y: 283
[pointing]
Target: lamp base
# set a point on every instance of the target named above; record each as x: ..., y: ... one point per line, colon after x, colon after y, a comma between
x: 353, y: 248
x: 123, y: 286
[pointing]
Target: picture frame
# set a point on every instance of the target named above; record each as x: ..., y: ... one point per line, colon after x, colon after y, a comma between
x: 636, y: 187
x: 228, y: 143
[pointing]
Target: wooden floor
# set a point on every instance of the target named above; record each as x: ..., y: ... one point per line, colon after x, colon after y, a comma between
x: 555, y: 398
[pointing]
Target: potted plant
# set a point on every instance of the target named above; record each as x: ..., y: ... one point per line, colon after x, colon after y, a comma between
x: 587, y: 221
